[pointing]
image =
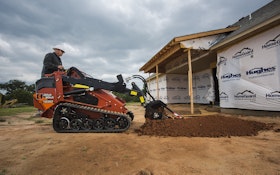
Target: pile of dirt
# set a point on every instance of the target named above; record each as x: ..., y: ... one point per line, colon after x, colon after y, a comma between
x: 205, y: 126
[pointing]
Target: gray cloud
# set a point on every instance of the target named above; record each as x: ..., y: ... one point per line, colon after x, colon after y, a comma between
x: 103, y: 38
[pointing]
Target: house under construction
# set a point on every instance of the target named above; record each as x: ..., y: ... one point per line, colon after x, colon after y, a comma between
x: 235, y: 67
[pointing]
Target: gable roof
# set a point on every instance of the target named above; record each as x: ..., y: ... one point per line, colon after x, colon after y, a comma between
x: 262, y: 19
x: 174, y: 47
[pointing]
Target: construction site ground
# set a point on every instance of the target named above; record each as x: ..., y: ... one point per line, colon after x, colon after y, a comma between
x: 208, y: 142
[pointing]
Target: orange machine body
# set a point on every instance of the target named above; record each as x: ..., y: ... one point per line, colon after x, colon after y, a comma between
x: 52, y: 90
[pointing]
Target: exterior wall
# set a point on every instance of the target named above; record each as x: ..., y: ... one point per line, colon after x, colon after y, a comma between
x: 177, y: 88
x: 152, y: 85
x: 249, y: 73
x: 173, y: 88
x: 203, y: 87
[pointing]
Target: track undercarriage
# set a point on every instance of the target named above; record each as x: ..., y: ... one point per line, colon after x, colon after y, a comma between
x: 69, y: 117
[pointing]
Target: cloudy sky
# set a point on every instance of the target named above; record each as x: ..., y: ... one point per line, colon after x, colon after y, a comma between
x: 103, y: 38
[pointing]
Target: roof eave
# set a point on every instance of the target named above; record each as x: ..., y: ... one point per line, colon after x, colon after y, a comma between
x: 146, y: 67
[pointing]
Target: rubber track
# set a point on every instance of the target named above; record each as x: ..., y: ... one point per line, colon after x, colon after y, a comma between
x: 92, y: 109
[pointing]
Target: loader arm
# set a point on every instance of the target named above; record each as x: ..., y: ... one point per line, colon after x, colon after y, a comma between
x: 80, y: 79
x: 97, y: 84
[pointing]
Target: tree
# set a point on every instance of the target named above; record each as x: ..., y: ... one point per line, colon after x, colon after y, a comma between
x: 16, y: 89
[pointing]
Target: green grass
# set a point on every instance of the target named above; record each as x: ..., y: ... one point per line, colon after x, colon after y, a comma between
x: 133, y: 104
x: 17, y: 110
x: 3, y: 172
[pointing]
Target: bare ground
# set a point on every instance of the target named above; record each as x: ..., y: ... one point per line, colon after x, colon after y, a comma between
x: 29, y: 145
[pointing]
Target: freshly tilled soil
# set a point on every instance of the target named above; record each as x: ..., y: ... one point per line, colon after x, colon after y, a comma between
x: 204, y: 126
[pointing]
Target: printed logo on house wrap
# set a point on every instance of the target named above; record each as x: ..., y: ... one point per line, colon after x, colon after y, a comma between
x: 230, y: 77
x: 244, y: 53
x: 152, y: 90
x: 223, y: 96
x: 177, y: 97
x: 261, y: 72
x: 164, y: 98
x: 170, y: 88
x: 273, y: 96
x: 245, y: 95
x: 222, y: 61
x: 206, y: 76
x: 180, y: 88
x: 176, y: 79
x: 196, y: 78
x: 201, y: 87
x: 272, y: 43
x: 197, y: 97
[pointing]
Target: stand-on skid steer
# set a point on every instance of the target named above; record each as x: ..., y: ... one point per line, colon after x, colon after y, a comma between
x: 80, y: 103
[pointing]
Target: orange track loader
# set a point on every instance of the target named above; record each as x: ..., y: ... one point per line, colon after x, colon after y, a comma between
x: 80, y: 103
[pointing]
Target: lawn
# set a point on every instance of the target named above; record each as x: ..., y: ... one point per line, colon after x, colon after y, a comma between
x: 16, y: 110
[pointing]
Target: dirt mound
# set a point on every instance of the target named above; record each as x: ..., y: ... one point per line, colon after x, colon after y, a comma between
x: 206, y: 126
